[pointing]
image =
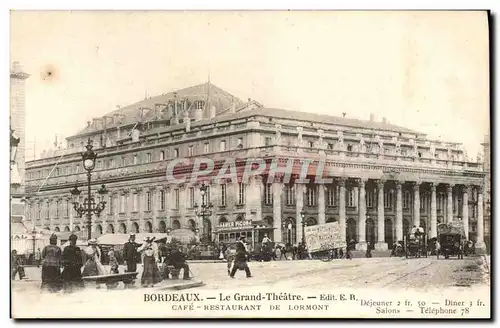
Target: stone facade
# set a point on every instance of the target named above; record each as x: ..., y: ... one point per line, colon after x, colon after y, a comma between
x: 384, y: 178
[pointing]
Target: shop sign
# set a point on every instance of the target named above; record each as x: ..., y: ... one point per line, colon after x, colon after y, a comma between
x: 235, y: 225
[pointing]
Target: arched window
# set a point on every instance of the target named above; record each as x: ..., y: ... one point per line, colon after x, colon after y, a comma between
x: 239, y: 218
x: 148, y: 227
x: 66, y: 229
x: 98, y: 229
x: 110, y: 229
x: 162, y: 227
x: 122, y: 228
x: 331, y: 219
x: 311, y: 222
x: 176, y: 225
x: 222, y: 220
x: 269, y: 220
x: 162, y: 155
x: 57, y: 229
x: 192, y: 224
x: 77, y: 228
x: 135, y: 227
x: 289, y: 232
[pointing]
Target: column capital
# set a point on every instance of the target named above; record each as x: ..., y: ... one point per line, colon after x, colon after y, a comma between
x: 341, y: 181
x: 479, y: 189
x: 449, y: 187
x: 433, y: 186
x: 416, y: 186
x: 399, y: 186
x: 380, y: 183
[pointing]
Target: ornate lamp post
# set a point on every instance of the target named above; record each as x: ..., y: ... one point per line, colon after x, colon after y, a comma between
x: 302, y: 215
x: 14, y: 143
x: 89, y: 206
x: 204, y: 210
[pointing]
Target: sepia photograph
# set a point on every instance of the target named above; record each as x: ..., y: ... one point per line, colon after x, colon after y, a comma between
x: 250, y: 164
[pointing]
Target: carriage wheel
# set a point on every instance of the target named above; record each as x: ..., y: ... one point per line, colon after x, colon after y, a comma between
x: 325, y: 256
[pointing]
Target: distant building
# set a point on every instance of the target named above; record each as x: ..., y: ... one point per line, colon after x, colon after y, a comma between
x: 487, y: 189
x: 387, y: 178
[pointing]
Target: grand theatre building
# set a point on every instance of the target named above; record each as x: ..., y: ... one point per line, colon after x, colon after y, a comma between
x: 385, y: 179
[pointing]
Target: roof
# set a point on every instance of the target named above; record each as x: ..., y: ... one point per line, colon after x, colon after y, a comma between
x: 217, y: 97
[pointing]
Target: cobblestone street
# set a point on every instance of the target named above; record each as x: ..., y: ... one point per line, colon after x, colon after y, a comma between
x: 423, y: 275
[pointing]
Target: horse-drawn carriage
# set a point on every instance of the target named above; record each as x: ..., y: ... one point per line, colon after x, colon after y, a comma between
x: 451, y: 238
x: 415, y: 243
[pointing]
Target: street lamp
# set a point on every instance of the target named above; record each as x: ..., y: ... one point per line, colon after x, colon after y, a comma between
x: 14, y: 143
x: 302, y: 215
x: 89, y: 206
x: 205, y: 209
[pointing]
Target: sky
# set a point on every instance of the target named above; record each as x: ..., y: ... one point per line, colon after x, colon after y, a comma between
x: 426, y: 71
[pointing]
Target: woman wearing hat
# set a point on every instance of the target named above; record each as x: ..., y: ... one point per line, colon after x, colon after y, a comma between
x: 93, y: 266
x: 150, y: 272
x: 51, y: 266
x: 72, y: 262
x: 240, y: 260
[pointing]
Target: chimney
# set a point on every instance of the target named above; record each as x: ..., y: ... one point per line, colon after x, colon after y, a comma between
x: 372, y: 117
x: 212, y: 111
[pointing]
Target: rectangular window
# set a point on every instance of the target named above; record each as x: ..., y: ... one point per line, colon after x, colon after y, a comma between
x: 57, y: 209
x: 206, y: 148
x: 290, y: 194
x: 136, y: 160
x: 406, y: 199
x: 239, y: 143
x: 268, y: 141
x: 423, y: 200
x: 148, y: 157
x: 176, y: 152
x: 176, y: 199
x: 388, y: 199
x: 191, y: 197
x: 350, y: 197
x: 370, y: 198
x: 149, y: 201
x: 124, y: 161
x: 331, y: 196
x: 162, y: 155
x: 223, y: 195
x: 122, y: 203
x: 311, y: 196
x: 135, y: 202
x: 191, y: 150
x: 241, y: 193
x: 109, y: 205
x: 112, y: 163
x: 162, y: 200
x: 223, y: 145
x: 268, y: 194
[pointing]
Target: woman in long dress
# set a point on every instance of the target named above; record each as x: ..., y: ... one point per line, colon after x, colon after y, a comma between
x: 93, y: 266
x: 51, y: 266
x: 150, y: 274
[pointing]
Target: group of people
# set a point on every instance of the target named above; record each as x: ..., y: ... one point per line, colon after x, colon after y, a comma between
x: 77, y: 263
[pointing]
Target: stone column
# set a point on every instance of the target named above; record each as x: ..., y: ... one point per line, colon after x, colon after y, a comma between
x: 276, y: 211
x: 480, y: 245
x: 381, y: 244
x: 433, y: 233
x: 465, y: 211
x: 299, y: 205
x: 142, y: 208
x: 399, y: 211
x: 449, y: 207
x: 321, y: 204
x: 155, y: 206
x: 361, y: 245
x: 416, y: 204
x: 342, y: 216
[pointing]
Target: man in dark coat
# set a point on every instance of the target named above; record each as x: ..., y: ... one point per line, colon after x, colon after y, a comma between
x: 178, y: 260
x: 240, y: 260
x: 72, y: 263
x: 130, y: 254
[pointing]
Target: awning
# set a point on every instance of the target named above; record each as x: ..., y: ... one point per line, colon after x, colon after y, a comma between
x: 122, y: 238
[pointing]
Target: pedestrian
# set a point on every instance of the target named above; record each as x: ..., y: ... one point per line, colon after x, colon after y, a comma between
x: 51, y: 266
x: 240, y: 261
x: 72, y: 266
x: 368, y: 250
x: 93, y: 265
x: 230, y: 255
x: 178, y: 261
x: 130, y: 254
x: 16, y: 266
x: 113, y: 262
x: 38, y: 257
x: 150, y: 272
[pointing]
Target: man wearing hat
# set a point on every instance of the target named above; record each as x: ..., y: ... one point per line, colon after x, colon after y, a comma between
x: 72, y: 263
x: 240, y: 260
x: 130, y: 254
x: 51, y: 266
